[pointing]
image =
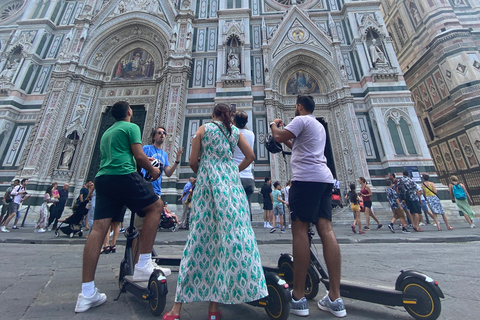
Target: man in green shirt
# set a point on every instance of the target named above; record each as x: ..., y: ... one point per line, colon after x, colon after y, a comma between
x: 117, y: 184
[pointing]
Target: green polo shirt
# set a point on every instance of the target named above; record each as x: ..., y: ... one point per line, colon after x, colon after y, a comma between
x: 116, y: 153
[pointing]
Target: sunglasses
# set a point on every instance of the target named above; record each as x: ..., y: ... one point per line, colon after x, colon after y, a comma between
x: 162, y: 132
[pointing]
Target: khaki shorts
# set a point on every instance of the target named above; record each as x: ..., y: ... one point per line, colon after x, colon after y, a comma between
x: 398, y: 213
x: 355, y: 207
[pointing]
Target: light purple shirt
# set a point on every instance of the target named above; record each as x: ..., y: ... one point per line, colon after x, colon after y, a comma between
x: 308, y: 160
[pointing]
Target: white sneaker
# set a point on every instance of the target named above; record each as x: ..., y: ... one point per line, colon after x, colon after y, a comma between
x: 264, y: 224
x: 4, y: 229
x: 421, y: 224
x: 85, y: 303
x: 472, y: 226
x: 289, y: 226
x: 41, y: 230
x: 269, y: 225
x: 144, y: 273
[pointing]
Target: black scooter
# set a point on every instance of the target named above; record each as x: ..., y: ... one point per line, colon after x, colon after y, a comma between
x: 416, y: 292
x: 276, y: 304
x: 154, y: 290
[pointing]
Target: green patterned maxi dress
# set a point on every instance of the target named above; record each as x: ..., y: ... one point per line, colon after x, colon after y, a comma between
x: 220, y: 262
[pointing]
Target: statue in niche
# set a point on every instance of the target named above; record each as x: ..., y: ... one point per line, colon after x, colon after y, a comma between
x: 415, y: 13
x: 68, y: 152
x: 9, y: 71
x: 377, y: 55
x: 233, y: 62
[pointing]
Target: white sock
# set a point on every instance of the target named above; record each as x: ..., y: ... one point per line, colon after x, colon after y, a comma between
x: 143, y: 259
x: 264, y: 224
x: 88, y: 289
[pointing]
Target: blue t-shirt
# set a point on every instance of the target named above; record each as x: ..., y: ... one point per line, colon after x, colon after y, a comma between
x: 161, y: 156
x: 275, y: 194
x: 186, y: 188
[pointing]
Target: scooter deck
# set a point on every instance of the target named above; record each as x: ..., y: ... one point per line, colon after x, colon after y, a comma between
x: 369, y: 292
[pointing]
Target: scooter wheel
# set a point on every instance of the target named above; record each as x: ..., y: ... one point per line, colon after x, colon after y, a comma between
x: 311, y: 282
x: 121, y: 275
x: 278, y: 300
x: 156, y: 300
x: 428, y: 306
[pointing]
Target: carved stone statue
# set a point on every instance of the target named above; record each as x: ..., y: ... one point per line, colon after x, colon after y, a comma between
x: 233, y: 62
x: 9, y: 71
x: 377, y: 55
x: 67, y: 154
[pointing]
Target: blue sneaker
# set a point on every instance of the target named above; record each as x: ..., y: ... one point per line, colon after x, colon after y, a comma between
x: 337, y: 308
x: 300, y: 307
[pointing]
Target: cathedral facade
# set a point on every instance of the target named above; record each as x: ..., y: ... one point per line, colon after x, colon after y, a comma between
x: 64, y: 63
x: 437, y: 46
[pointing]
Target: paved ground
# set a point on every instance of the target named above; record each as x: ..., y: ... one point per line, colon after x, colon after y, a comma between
x: 41, y: 273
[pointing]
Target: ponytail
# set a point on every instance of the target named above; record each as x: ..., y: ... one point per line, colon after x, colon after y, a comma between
x: 222, y: 111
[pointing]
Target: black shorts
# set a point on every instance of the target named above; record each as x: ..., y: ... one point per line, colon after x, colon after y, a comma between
x: 414, y: 207
x: 267, y: 205
x: 367, y: 204
x: 310, y: 201
x: 114, y: 192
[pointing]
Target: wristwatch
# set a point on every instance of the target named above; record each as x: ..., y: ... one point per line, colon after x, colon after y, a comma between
x: 177, y: 162
x: 273, y: 122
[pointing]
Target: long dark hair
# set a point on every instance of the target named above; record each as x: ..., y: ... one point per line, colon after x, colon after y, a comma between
x: 222, y: 111
x: 49, y: 190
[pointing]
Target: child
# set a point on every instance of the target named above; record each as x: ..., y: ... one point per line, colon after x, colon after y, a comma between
x: 169, y: 214
x: 355, y: 206
x: 278, y: 205
x: 396, y: 208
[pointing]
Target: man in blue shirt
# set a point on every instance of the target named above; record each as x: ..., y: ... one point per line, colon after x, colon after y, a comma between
x: 154, y: 151
x: 186, y: 208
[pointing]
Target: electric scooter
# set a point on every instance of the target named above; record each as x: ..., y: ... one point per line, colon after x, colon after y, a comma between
x: 276, y: 304
x: 416, y: 292
x: 154, y: 290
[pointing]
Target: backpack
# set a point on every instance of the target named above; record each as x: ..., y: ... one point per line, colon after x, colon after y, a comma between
x: 458, y: 192
x: 8, y: 196
x: 402, y: 190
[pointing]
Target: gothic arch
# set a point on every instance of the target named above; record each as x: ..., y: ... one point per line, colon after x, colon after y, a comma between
x: 396, y: 114
x: 319, y: 66
x: 123, y: 30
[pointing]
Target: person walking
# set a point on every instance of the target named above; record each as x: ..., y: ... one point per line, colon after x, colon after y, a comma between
x: 48, y: 200
x: 352, y: 196
x: 7, y: 198
x: 117, y: 184
x: 220, y: 262
x: 395, y: 205
x: 278, y: 203
x: 310, y: 202
x: 187, y: 190
x: 19, y: 194
x: 240, y: 120
x: 461, y: 197
x: 408, y: 193
x: 266, y: 192
x: 56, y: 213
x: 366, y: 194
x: 430, y: 192
x: 286, y: 193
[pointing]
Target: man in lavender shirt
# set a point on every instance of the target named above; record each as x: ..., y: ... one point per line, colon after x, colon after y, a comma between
x: 310, y: 202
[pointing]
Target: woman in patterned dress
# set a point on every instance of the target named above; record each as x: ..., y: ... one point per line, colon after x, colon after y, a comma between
x: 220, y: 262
x: 430, y: 192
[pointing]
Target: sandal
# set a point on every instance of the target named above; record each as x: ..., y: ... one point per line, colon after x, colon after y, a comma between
x: 105, y: 250
x: 450, y: 228
x: 113, y: 249
x: 217, y: 315
x: 171, y: 317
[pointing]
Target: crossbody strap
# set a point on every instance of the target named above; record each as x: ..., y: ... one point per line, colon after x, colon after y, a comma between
x: 228, y: 141
x: 429, y: 189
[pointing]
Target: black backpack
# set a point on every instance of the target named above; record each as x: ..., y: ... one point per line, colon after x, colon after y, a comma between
x: 272, y: 145
x: 402, y: 189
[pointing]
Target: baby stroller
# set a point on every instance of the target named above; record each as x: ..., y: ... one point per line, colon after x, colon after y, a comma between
x: 336, y: 202
x: 71, y: 225
x: 167, y: 222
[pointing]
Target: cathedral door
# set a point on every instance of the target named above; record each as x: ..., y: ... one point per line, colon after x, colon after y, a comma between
x: 328, y: 149
x: 138, y: 118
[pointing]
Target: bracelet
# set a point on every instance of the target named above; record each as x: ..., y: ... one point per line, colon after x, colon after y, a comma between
x: 273, y: 122
x: 177, y: 162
